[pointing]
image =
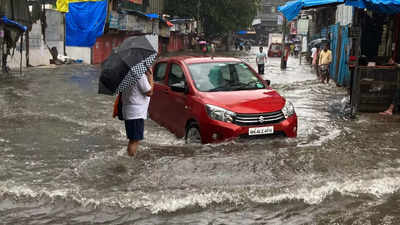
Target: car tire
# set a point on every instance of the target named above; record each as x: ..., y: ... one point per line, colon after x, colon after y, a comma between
x: 193, y: 135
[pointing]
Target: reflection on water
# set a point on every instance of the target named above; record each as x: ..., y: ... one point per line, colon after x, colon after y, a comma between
x: 64, y: 161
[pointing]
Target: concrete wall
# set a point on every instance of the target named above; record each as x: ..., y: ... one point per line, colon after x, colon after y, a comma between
x: 82, y: 53
x: 38, y: 50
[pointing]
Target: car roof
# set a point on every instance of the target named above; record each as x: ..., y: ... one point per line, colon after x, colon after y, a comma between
x: 199, y: 59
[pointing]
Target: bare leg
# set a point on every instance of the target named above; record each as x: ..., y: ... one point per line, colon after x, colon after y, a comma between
x: 388, y: 111
x: 132, y: 147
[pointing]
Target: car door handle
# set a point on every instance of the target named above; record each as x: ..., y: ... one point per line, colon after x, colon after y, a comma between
x: 165, y: 92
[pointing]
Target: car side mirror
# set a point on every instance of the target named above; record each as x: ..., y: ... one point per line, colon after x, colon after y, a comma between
x: 268, y: 82
x: 179, y: 87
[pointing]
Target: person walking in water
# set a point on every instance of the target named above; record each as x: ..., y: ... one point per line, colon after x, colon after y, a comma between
x: 261, y: 58
x: 325, y: 59
x: 135, y: 103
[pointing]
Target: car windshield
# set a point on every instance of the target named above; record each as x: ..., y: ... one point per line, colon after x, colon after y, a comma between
x: 232, y: 76
x: 275, y: 47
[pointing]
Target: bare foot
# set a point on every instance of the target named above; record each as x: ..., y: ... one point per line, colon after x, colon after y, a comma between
x: 131, y: 153
x: 387, y: 112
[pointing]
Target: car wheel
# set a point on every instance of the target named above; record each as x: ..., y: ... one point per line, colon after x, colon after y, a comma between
x: 193, y: 134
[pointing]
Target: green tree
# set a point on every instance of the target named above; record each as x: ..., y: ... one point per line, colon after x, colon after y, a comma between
x: 217, y: 17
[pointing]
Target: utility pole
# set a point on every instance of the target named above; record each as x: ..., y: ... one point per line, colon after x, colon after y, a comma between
x: 301, y: 49
x: 198, y: 16
x: 283, y: 61
x: 1, y: 47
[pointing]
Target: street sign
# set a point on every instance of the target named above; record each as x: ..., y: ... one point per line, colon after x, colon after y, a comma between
x: 280, y: 20
x: 302, y: 26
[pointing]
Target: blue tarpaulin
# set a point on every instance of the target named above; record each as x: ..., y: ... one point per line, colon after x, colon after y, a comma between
x: 382, y: 6
x: 291, y: 9
x: 153, y: 16
x: 7, y: 21
x: 85, y: 22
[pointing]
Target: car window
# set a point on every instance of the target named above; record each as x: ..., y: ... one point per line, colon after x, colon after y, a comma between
x: 175, y: 75
x: 246, y: 75
x: 225, y: 76
x: 275, y: 47
x: 159, y: 73
x: 225, y: 73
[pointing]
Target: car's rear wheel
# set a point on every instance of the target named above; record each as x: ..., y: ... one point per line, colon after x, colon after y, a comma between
x: 193, y: 134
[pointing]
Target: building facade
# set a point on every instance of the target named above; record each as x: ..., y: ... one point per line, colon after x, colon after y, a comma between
x: 267, y: 19
x: 155, y: 6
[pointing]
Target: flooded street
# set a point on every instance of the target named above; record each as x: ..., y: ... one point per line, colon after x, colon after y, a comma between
x: 63, y: 160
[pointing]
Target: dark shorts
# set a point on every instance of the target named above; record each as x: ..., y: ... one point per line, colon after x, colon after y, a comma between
x: 134, y: 129
x: 260, y: 68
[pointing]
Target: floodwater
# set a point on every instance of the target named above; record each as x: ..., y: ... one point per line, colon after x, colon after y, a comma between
x: 63, y: 160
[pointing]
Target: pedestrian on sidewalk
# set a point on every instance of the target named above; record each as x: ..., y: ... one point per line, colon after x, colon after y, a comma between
x: 261, y: 58
x: 315, y: 53
x: 135, y: 103
x: 291, y: 49
x: 325, y: 59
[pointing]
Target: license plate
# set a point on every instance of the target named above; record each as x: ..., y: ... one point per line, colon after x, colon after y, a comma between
x: 261, y: 130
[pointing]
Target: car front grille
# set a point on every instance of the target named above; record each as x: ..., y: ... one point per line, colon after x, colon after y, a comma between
x: 259, y: 119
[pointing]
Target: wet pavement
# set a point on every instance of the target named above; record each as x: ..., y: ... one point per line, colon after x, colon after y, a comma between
x: 64, y: 161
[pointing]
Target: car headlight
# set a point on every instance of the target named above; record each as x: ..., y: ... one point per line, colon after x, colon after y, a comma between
x: 288, y: 109
x: 221, y: 114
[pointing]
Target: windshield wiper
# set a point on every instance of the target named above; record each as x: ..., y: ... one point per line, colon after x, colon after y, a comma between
x: 221, y: 88
x: 246, y: 86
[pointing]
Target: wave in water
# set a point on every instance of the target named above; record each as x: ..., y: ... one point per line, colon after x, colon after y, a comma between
x: 172, y: 200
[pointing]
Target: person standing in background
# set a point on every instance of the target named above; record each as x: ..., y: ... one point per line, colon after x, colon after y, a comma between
x: 325, y: 59
x: 261, y: 58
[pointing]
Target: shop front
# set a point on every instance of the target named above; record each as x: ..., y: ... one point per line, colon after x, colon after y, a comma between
x: 377, y: 73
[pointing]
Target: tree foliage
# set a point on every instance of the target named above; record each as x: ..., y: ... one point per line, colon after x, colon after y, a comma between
x: 218, y: 17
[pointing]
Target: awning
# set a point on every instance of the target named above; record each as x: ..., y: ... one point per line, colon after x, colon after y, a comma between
x: 9, y: 22
x: 246, y: 32
x: 382, y: 6
x: 256, y: 22
x: 291, y: 9
x: 156, y: 16
x: 153, y: 16
x: 181, y: 21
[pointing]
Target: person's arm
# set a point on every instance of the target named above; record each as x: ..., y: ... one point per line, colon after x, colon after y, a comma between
x: 149, y: 75
x: 320, y: 58
x: 329, y: 58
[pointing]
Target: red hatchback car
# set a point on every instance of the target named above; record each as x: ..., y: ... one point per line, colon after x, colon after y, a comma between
x: 275, y: 50
x: 214, y: 99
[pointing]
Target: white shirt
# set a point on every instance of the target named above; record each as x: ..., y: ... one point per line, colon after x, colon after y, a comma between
x: 135, y: 102
x: 261, y: 56
x: 313, y: 51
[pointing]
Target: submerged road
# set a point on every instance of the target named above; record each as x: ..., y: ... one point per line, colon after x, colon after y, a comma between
x: 63, y: 160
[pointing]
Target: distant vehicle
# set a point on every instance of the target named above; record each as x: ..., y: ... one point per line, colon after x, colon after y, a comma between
x: 210, y: 100
x: 275, y: 50
x: 274, y: 38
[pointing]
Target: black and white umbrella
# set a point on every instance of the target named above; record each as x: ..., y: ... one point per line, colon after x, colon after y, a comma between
x: 126, y: 65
